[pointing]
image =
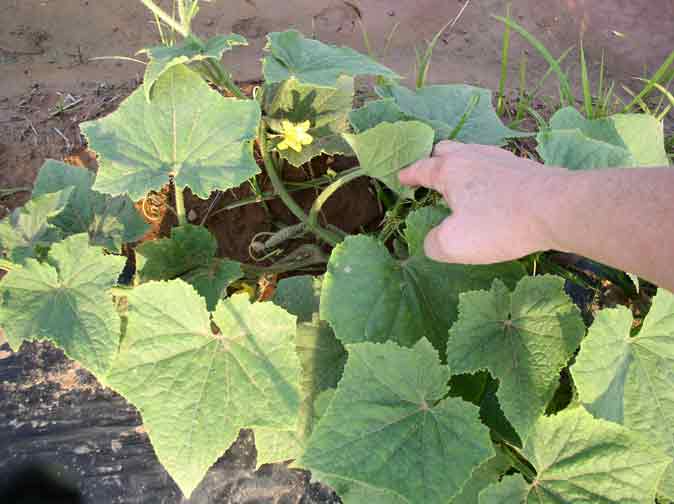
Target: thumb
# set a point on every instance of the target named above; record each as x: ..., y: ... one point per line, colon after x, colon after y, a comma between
x: 440, y: 243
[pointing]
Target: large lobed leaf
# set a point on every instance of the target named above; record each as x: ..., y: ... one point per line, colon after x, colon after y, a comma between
x: 443, y: 107
x: 195, y: 389
x: 581, y: 459
x: 326, y: 108
x: 67, y: 301
x: 621, y: 140
x: 370, y: 296
x: 291, y: 55
x: 387, y: 148
x: 187, y: 130
x: 163, y: 58
x: 109, y: 221
x: 389, y: 427
x: 629, y: 380
x: 26, y: 232
x: 523, y: 339
x: 189, y: 254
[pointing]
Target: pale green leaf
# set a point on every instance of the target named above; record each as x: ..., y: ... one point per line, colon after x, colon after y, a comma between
x: 195, y: 389
x: 313, y: 62
x: 443, y: 107
x: 630, y: 380
x: 523, y: 339
x: 26, y: 232
x: 375, y: 112
x: 189, y: 254
x: 620, y: 140
x: 322, y: 358
x: 581, y: 459
x: 484, y: 475
x: 162, y: 58
x: 389, y: 147
x: 67, y: 301
x: 326, y: 108
x: 109, y: 221
x: 370, y: 296
x: 389, y: 427
x: 187, y: 130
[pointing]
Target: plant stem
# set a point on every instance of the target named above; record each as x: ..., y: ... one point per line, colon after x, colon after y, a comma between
x: 223, y: 79
x: 269, y: 164
x: 180, y: 204
x: 329, y: 191
x: 161, y: 14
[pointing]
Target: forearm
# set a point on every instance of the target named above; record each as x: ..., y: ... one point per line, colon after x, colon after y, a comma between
x: 620, y: 217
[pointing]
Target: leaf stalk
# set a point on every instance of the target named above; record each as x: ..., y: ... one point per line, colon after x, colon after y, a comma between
x: 270, y: 166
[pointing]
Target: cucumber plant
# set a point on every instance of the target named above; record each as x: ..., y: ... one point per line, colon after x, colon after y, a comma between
x: 392, y: 377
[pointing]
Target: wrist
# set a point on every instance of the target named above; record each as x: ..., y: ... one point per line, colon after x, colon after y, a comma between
x: 550, y: 206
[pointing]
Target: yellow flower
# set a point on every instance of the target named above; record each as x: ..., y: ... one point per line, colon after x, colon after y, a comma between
x: 295, y: 135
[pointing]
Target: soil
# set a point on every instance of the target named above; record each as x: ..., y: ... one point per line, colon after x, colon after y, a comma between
x: 55, y: 413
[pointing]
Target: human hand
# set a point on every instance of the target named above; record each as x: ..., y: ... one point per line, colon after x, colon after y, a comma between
x: 500, y: 203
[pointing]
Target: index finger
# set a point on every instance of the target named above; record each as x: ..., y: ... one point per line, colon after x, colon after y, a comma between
x: 427, y: 173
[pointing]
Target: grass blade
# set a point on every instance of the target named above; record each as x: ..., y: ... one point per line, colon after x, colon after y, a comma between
x: 542, y: 50
x: 424, y: 63
x: 505, y: 49
x: 659, y: 75
x: 585, y: 79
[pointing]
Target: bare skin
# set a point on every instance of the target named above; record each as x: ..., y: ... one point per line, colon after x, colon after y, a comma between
x: 505, y: 207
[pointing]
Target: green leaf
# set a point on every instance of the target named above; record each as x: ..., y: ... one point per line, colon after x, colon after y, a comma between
x: 629, y: 380
x: 187, y: 130
x: 389, y: 427
x: 26, y: 231
x: 196, y: 389
x: 484, y: 475
x: 621, y: 140
x: 523, y: 339
x: 327, y: 109
x: 322, y: 358
x: 212, y: 279
x: 109, y: 221
x: 581, y: 459
x: 163, y: 58
x: 389, y: 147
x: 190, y: 254
x: 355, y: 492
x: 374, y: 113
x: 511, y: 490
x: 313, y: 62
x: 369, y: 296
x: 66, y: 300
x: 443, y: 107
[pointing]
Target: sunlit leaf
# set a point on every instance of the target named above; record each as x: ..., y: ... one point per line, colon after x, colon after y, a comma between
x: 581, y: 459
x: 162, y: 58
x: 290, y: 55
x: 188, y: 130
x: 65, y: 300
x: 196, y: 389
x: 630, y: 380
x: 389, y: 427
x: 523, y: 339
